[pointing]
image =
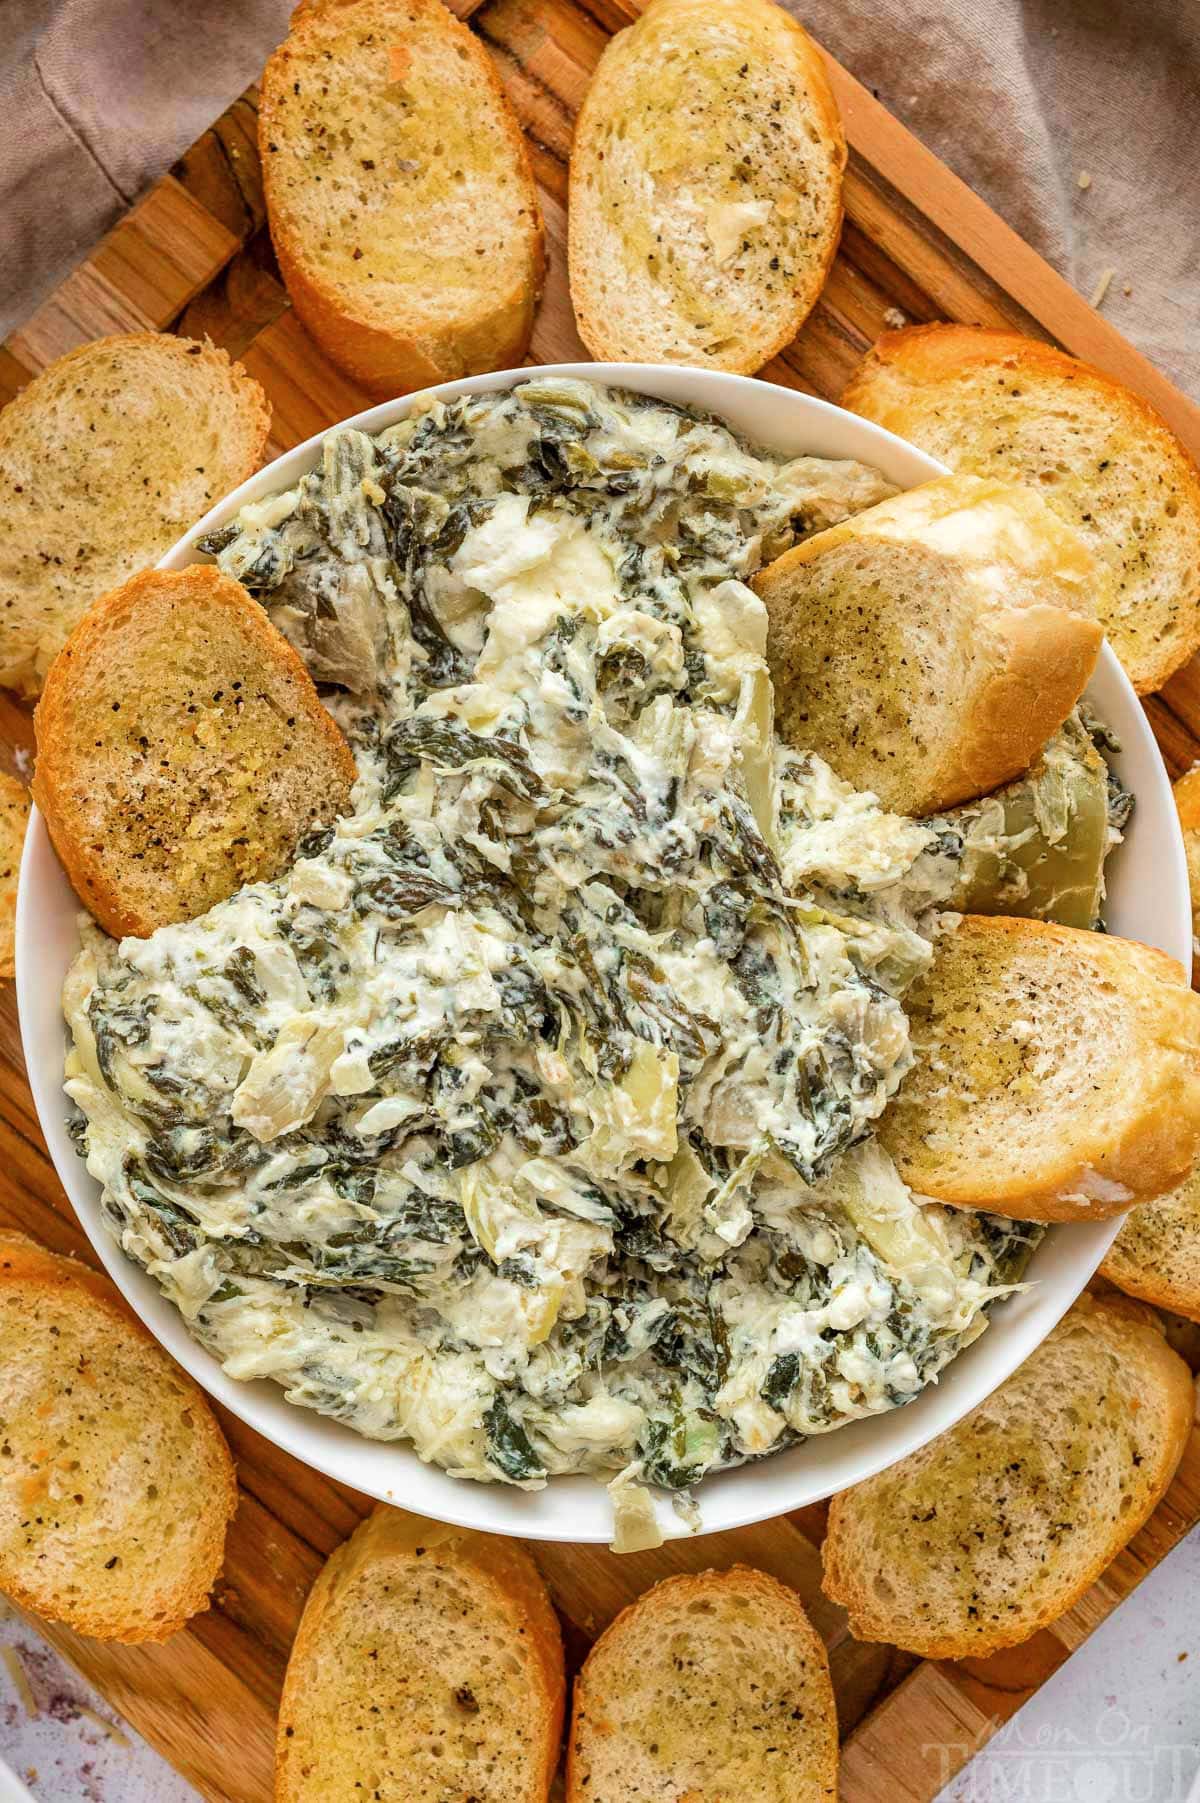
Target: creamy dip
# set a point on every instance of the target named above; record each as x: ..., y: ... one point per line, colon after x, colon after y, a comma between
x: 528, y: 1116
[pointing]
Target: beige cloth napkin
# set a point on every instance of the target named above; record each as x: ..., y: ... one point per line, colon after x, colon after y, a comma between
x: 1079, y: 122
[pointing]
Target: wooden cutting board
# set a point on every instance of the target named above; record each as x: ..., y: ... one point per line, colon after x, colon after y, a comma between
x: 195, y: 257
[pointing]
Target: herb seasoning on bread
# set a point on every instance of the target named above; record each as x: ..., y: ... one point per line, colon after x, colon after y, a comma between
x: 116, y: 1485
x: 708, y: 1686
x: 428, y: 1664
x: 706, y: 187
x: 106, y: 458
x: 995, y: 1528
x: 182, y: 750
x: 14, y: 817
x: 401, y: 202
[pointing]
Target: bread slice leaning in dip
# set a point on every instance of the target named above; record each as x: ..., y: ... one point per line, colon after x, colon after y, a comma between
x: 182, y: 750
x: 929, y: 646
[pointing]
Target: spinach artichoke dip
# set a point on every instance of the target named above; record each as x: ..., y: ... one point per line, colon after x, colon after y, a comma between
x: 528, y: 1116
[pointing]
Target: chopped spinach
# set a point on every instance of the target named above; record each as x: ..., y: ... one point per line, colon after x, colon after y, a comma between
x: 509, y: 1447
x: 781, y: 1379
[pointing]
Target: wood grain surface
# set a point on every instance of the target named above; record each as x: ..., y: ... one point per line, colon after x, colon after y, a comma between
x: 195, y: 257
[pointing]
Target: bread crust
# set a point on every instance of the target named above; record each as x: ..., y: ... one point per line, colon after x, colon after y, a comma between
x: 14, y: 818
x: 596, y: 327
x: 933, y: 354
x: 1187, y: 800
x: 589, y: 1712
x: 1187, y: 805
x: 57, y: 781
x: 1147, y: 1152
x: 1149, y: 1286
x: 384, y: 362
x: 1046, y: 662
x: 500, y: 1563
x: 31, y: 1269
x: 1138, y: 1335
x: 357, y: 333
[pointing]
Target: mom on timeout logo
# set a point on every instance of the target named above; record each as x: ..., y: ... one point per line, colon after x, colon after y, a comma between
x: 1117, y: 1761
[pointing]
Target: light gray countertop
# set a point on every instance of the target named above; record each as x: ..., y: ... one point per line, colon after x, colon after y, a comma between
x: 61, y: 1740
x: 1120, y: 1721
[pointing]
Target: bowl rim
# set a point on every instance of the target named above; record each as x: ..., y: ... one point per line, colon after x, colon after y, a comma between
x: 577, y: 1508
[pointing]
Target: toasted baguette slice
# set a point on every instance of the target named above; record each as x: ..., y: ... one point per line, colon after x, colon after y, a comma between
x: 995, y: 1528
x: 116, y: 1485
x: 929, y: 646
x: 182, y: 750
x: 706, y: 187
x: 1156, y: 1255
x: 14, y: 817
x: 428, y: 1665
x: 1057, y: 1073
x: 105, y: 459
x: 999, y: 404
x: 400, y: 197
x: 711, y: 1686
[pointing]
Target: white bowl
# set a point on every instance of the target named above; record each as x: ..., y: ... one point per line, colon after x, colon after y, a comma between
x: 1148, y: 900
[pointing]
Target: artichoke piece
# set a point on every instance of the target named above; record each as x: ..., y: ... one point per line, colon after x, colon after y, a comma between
x: 908, y: 1239
x: 499, y: 1220
x: 635, y: 1117
x: 636, y: 1527
x: 285, y: 1086
x: 1036, y: 848
x: 755, y: 721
